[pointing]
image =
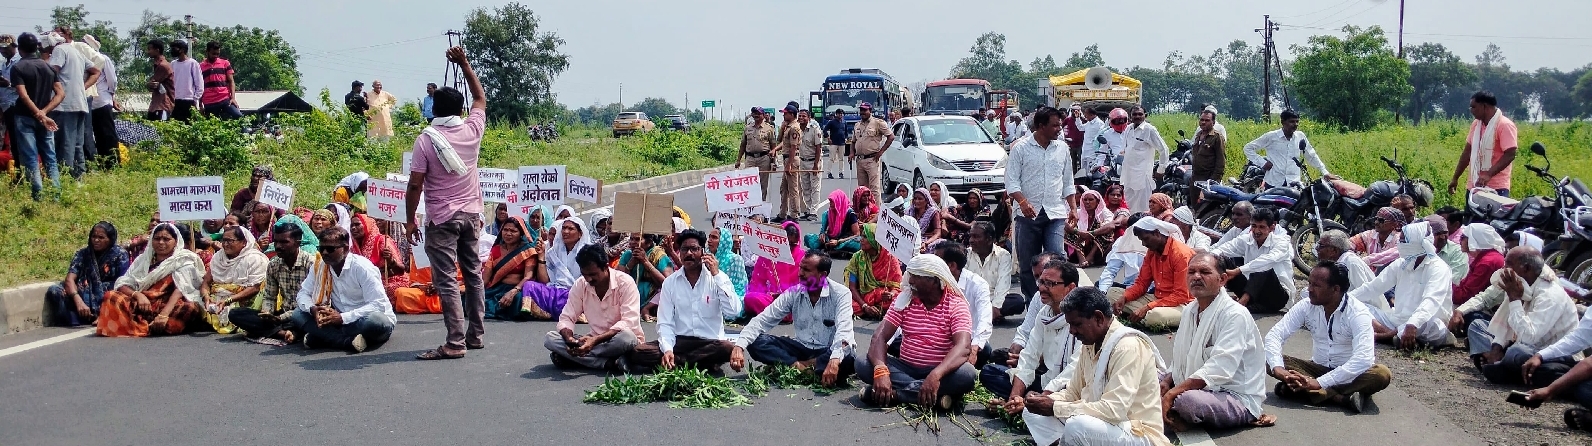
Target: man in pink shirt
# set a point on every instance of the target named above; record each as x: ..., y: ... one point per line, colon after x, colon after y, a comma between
x: 444, y: 169
x: 1490, y: 148
x: 936, y: 336
x: 612, y: 306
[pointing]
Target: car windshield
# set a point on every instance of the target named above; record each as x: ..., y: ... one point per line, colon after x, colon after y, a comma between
x: 955, y: 98
x: 629, y: 116
x: 677, y: 119
x: 952, y: 131
x: 848, y: 100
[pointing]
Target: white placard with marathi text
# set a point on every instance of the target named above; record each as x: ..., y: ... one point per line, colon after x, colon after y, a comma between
x: 385, y: 200
x: 190, y: 198
x: 497, y: 184
x: 580, y: 188
x: 767, y: 241
x: 732, y: 189
x: 897, y: 236
x: 538, y: 186
x: 276, y: 195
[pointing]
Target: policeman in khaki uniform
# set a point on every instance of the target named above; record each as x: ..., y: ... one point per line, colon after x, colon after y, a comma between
x: 870, y: 138
x: 756, y: 142
x: 811, y: 155
x: 790, y: 142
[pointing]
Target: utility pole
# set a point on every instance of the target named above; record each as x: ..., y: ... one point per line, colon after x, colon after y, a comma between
x: 1265, y: 92
x: 189, y: 19
x: 450, y: 72
x: 1401, y: 29
x: 621, y: 96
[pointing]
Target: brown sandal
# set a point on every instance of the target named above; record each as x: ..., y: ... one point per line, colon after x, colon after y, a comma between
x: 437, y: 353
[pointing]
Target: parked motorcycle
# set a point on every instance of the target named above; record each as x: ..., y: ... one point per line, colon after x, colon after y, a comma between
x: 1175, y: 180
x: 1357, y: 204
x: 1573, y: 260
x: 1543, y: 215
x: 543, y: 132
x: 1106, y: 175
x: 1306, y: 221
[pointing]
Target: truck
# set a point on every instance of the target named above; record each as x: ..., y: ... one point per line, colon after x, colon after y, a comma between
x: 1093, y: 87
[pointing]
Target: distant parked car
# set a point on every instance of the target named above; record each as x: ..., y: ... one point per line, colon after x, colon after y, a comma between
x: 628, y: 123
x: 678, y: 122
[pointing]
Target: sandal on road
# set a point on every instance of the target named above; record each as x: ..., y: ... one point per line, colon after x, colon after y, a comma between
x: 438, y: 353
x: 1578, y: 419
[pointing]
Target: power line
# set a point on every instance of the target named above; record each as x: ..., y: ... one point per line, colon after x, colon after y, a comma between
x: 1525, y: 39
x: 1329, y: 17
x: 1318, y: 11
x: 1357, y: 14
x: 430, y: 36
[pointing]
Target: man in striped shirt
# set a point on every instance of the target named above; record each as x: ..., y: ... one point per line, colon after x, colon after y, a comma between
x: 936, y: 334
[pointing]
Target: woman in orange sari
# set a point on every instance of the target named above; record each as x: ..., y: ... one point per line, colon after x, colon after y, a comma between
x: 874, y: 276
x: 368, y: 241
x: 512, y: 262
x: 159, y: 294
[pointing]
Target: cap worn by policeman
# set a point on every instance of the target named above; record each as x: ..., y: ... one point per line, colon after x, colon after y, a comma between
x: 865, y: 105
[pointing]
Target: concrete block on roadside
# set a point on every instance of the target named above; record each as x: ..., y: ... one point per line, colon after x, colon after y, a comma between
x: 22, y: 308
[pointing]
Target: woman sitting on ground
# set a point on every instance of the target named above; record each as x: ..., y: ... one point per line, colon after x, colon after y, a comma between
x: 321, y: 220
x: 234, y: 277
x: 261, y: 216
x: 1161, y: 206
x: 602, y: 224
x: 959, y: 219
x: 159, y: 294
x: 1087, y: 233
x: 874, y: 277
x: 722, y: 246
x: 928, y: 217
x: 865, y: 205
x: 513, y: 262
x: 770, y: 279
x: 837, y: 228
x: 367, y: 240
x: 1486, y: 250
x: 900, y: 199
x: 648, y: 264
x: 546, y: 299
x: 93, y: 271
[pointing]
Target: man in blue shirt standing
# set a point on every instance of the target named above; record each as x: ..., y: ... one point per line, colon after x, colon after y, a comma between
x: 425, y: 104
x: 835, y: 131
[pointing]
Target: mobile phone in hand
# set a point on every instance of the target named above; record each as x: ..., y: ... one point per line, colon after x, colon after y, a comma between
x: 1519, y: 398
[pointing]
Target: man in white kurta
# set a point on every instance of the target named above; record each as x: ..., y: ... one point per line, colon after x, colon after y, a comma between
x: 692, y: 305
x: 1536, y: 314
x: 1054, y: 346
x: 1422, y: 301
x: 1216, y: 377
x: 1144, y: 154
x: 1283, y: 148
x: 1342, y: 368
x: 992, y: 262
x: 1334, y: 245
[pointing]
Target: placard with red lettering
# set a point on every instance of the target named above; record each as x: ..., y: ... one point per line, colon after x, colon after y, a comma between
x: 385, y: 200
x: 497, y: 184
x: 538, y: 186
x: 898, y: 236
x: 733, y: 189
x: 190, y: 198
x: 769, y: 242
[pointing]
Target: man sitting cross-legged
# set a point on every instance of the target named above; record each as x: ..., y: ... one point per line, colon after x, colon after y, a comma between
x: 1112, y: 399
x: 611, y: 304
x: 1421, y: 300
x: 1165, y: 265
x: 342, y: 304
x: 1217, y: 374
x: 1054, y: 345
x: 820, y: 311
x: 1537, y: 313
x: 283, y: 278
x: 692, y: 306
x: 1342, y: 368
x: 936, y: 331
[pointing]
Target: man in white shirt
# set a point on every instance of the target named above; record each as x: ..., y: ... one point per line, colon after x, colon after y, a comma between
x: 1216, y: 377
x: 1260, y: 264
x: 1342, y: 368
x: 1183, y: 217
x: 1054, y: 346
x: 1334, y: 245
x: 1115, y: 138
x: 820, y: 312
x: 693, y: 303
x: 342, y: 304
x: 1015, y: 128
x: 1092, y: 128
x: 1239, y: 214
x: 1039, y: 180
x: 1141, y: 160
x: 1536, y: 314
x: 102, y: 119
x: 1283, y: 148
x: 1422, y: 301
x: 1553, y: 362
x: 71, y: 117
x: 994, y: 264
x: 1125, y: 258
x: 976, y: 290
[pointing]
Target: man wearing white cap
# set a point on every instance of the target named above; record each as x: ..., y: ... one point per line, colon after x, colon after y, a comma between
x: 936, y: 332
x: 1183, y: 217
x: 1421, y: 301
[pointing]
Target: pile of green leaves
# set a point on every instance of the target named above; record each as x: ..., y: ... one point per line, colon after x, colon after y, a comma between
x: 781, y: 376
x: 983, y: 396
x: 681, y: 387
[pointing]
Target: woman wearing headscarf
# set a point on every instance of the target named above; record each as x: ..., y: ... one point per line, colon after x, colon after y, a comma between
x: 836, y: 228
x: 648, y: 264
x: 260, y: 219
x: 874, y: 276
x: 722, y: 245
x: 380, y: 112
x: 1161, y: 206
x: 160, y: 292
x: 930, y: 224
x: 616, y: 242
x: 513, y: 262
x: 1486, y: 251
x: 865, y: 204
x: 547, y: 300
x: 235, y: 276
x: 366, y: 239
x: 321, y: 220
x: 1378, y: 244
x: 565, y: 211
x: 351, y: 190
x: 308, y: 243
x: 941, y: 195
x: 684, y: 217
x: 770, y: 279
x: 1087, y: 219
x: 343, y: 215
x: 900, y: 199
x: 959, y: 218
x: 92, y: 272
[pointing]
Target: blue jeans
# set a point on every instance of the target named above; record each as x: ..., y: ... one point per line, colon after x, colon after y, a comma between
x: 1108, y: 277
x: 1033, y: 234
x: 223, y: 110
x: 376, y: 327
x: 69, y: 140
x: 32, y: 142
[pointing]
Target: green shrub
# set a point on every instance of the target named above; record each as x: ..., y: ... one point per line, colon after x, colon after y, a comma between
x: 209, y: 144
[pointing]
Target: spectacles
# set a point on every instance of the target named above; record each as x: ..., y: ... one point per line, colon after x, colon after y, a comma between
x: 329, y: 248
x: 690, y: 249
x: 1049, y: 283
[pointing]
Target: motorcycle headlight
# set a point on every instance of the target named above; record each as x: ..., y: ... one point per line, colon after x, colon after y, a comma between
x: 941, y: 163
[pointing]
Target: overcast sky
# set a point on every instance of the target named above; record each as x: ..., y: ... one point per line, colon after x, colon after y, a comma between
x: 766, y: 52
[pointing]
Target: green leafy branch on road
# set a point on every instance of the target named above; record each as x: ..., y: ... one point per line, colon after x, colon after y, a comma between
x: 695, y: 389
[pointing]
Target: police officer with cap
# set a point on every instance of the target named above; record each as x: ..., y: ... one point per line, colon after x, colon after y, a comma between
x: 756, y: 142
x: 870, y: 137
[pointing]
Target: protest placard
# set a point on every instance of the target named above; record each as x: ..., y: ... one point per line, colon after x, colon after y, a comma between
x: 589, y: 190
x: 899, y: 236
x: 769, y: 242
x: 539, y: 186
x: 190, y: 198
x: 417, y: 251
x: 409, y: 160
x: 385, y: 200
x: 276, y: 195
x: 643, y: 213
x: 497, y: 184
x: 732, y: 189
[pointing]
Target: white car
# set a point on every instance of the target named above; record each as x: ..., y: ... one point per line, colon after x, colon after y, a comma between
x: 952, y: 149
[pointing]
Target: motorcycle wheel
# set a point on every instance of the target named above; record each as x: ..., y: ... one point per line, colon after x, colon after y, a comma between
x: 1219, y: 222
x: 1581, y: 274
x: 1304, y: 242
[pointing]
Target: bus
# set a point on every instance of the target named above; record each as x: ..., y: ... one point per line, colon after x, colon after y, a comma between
x: 854, y: 86
x: 955, y: 97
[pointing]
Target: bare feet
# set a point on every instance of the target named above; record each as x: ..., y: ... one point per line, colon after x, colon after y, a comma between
x: 1265, y: 420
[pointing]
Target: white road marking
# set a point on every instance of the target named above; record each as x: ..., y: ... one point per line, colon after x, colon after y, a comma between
x: 45, y: 342
x: 1195, y: 437
x: 610, y: 206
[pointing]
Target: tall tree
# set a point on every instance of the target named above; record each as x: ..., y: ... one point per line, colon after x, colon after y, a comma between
x: 1434, y: 73
x: 1347, y: 81
x: 1241, y: 73
x: 1583, y: 94
x: 1089, y: 58
x: 516, y: 60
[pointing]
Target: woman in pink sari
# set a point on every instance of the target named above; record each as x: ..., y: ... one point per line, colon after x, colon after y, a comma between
x: 769, y: 279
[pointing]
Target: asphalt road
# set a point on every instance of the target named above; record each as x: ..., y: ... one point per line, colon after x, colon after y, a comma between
x: 207, y: 389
